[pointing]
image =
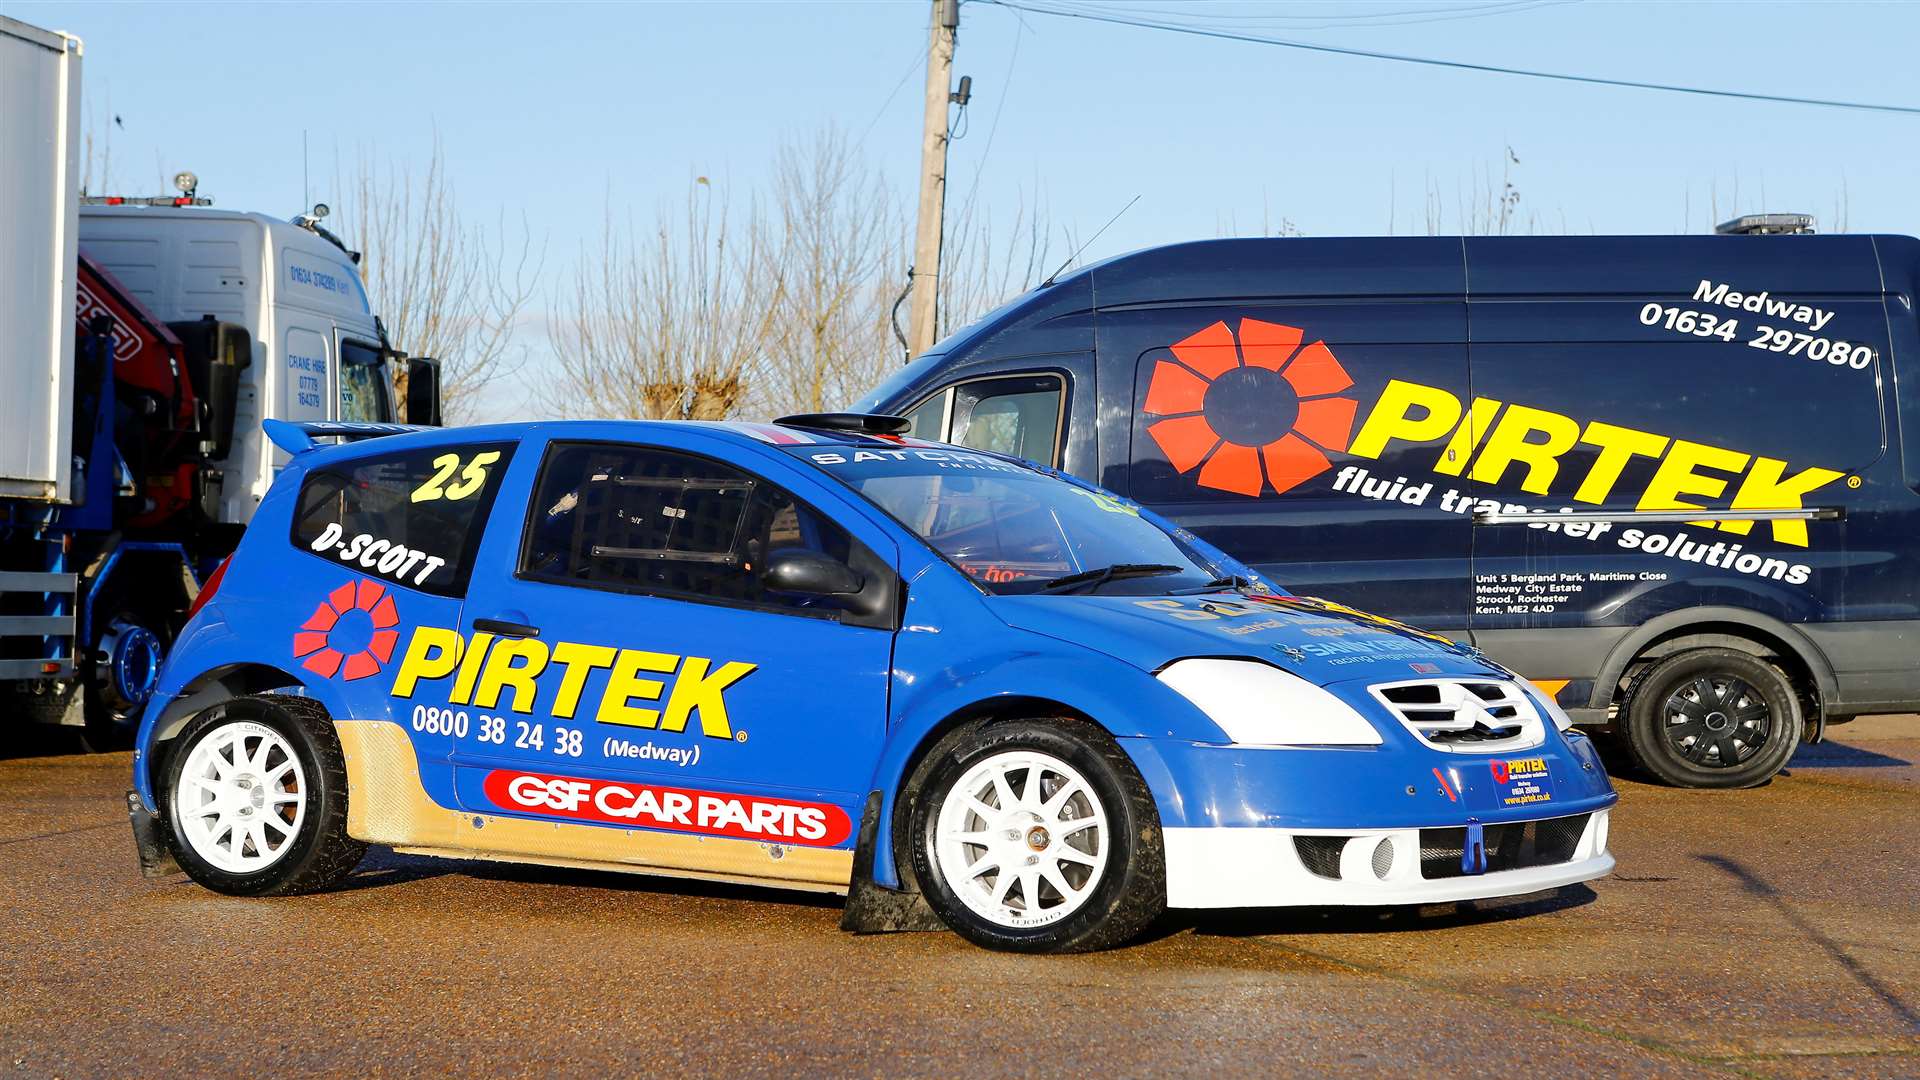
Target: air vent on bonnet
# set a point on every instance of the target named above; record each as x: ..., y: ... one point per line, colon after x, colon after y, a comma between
x: 1465, y: 716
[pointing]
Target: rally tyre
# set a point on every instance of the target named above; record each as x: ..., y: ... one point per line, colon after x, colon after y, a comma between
x: 256, y: 799
x: 1712, y: 718
x: 1036, y: 836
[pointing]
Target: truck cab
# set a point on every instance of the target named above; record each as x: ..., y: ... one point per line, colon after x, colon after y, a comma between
x: 317, y: 352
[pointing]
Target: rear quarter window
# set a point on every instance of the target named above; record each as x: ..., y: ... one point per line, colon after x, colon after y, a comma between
x: 412, y: 518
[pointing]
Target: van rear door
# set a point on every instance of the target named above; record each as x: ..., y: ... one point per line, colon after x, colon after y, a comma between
x: 1625, y: 376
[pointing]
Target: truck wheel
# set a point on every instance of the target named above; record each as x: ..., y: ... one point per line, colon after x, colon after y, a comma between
x: 120, y: 678
x: 256, y: 799
x: 1036, y: 836
x: 1712, y: 718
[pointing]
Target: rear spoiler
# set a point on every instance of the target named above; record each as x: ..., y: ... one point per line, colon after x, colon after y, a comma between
x: 298, y: 438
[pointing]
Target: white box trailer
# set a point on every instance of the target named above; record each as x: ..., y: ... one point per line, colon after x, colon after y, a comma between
x: 39, y: 233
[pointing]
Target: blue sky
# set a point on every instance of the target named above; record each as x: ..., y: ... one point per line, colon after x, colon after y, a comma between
x: 551, y: 108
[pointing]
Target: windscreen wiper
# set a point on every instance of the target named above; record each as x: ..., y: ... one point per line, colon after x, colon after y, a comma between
x: 1232, y: 581
x: 1093, y: 579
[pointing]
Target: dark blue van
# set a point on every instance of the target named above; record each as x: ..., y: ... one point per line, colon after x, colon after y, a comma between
x: 1663, y: 476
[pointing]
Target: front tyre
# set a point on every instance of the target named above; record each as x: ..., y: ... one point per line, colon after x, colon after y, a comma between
x: 256, y: 799
x: 1036, y: 836
x: 1712, y: 718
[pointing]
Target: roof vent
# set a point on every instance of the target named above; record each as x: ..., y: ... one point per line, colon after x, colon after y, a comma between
x: 1766, y: 225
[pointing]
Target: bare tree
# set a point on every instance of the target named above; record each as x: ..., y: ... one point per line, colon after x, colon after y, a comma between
x: 837, y: 236
x: 445, y: 285
x: 785, y: 310
x: 667, y: 324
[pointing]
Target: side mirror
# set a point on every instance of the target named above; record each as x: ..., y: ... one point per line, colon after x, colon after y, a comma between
x: 423, y: 391
x: 797, y: 570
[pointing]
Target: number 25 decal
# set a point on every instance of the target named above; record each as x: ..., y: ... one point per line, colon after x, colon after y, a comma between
x: 472, y: 478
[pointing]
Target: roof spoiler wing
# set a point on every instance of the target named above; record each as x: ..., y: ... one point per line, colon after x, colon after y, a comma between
x: 298, y: 438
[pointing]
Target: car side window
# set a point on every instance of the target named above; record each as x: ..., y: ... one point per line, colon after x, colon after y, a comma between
x: 646, y: 520
x: 1018, y: 415
x: 412, y: 518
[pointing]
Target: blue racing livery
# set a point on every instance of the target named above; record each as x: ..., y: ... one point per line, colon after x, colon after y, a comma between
x: 819, y: 655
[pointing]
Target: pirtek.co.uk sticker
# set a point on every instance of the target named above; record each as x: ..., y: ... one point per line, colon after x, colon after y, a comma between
x: 1522, y: 780
x: 711, y: 813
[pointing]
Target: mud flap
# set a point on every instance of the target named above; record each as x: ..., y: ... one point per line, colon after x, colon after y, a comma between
x: 156, y: 861
x: 873, y: 908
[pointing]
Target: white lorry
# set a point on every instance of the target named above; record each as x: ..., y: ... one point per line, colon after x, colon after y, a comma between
x: 147, y: 339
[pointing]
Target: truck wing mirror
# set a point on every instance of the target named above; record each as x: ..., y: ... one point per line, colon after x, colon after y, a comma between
x: 423, y: 391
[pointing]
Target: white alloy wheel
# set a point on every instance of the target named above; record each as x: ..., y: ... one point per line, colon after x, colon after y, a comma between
x: 241, y: 798
x: 1022, y: 839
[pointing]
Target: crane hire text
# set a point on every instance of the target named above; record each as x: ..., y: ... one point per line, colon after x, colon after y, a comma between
x: 1535, y: 439
x: 483, y: 668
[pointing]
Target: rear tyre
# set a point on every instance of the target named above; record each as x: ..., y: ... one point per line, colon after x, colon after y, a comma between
x: 255, y: 799
x: 1712, y: 718
x: 1036, y: 836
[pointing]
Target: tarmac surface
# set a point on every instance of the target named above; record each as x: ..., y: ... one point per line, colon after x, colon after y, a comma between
x: 1768, y: 932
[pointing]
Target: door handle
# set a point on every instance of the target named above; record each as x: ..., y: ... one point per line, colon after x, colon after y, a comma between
x: 506, y: 629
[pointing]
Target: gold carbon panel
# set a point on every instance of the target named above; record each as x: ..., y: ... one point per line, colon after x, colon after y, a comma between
x: 387, y: 805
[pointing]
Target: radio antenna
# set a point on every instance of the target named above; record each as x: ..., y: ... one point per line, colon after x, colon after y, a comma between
x: 1089, y: 243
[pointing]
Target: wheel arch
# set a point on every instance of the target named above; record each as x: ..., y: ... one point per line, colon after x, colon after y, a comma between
x: 898, y: 767
x: 203, y: 692
x: 1717, y: 627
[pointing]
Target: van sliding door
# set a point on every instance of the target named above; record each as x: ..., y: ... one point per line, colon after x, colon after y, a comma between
x: 1253, y: 422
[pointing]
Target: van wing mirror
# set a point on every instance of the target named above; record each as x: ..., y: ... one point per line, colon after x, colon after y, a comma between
x: 423, y: 391
x: 797, y: 570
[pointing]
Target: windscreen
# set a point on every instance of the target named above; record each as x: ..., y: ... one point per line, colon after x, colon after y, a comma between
x: 1014, y: 529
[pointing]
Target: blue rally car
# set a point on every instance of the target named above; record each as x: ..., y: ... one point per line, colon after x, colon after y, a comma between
x: 818, y: 655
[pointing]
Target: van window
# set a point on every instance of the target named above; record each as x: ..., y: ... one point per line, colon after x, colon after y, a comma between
x: 364, y: 394
x: 646, y: 520
x: 929, y: 418
x: 1018, y: 415
x: 414, y: 518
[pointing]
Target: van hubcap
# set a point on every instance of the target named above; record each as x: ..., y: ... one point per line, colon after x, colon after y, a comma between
x: 1717, y: 721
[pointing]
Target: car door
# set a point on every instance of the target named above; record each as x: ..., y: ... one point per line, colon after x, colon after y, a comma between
x: 619, y: 630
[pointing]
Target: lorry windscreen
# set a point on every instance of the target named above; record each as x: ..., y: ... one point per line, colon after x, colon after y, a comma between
x: 1014, y: 529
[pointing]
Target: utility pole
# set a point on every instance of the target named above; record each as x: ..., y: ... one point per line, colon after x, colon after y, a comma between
x: 933, y: 178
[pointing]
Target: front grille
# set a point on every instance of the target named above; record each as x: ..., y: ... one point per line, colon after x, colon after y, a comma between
x: 1321, y: 854
x: 1518, y: 846
x: 1465, y: 715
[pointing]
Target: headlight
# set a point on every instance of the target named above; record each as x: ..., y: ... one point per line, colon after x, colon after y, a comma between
x: 1258, y: 704
x: 1551, y: 708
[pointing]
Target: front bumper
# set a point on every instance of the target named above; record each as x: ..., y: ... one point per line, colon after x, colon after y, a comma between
x: 1278, y: 867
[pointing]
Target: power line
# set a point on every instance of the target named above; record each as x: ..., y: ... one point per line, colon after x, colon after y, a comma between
x: 1591, y: 80
x: 1330, y: 21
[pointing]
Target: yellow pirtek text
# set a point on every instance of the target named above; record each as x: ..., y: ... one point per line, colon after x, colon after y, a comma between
x: 1492, y: 444
x: 505, y: 674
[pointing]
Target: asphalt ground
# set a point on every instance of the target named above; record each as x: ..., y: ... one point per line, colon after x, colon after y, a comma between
x: 1767, y: 932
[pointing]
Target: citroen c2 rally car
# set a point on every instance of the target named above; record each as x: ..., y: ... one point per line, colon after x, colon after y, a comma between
x: 818, y: 655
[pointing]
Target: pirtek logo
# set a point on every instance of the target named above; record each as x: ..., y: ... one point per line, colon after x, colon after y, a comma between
x: 1239, y: 402
x: 1489, y: 439
x: 483, y: 668
x: 351, y: 633
x: 1234, y: 404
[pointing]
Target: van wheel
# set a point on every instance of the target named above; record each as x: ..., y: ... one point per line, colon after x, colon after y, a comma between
x: 256, y: 799
x: 1712, y: 718
x: 1036, y: 836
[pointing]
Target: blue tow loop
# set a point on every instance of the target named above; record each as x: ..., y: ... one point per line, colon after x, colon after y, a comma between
x: 1473, y: 853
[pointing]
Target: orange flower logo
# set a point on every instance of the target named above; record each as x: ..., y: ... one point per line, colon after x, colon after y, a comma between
x: 1252, y: 409
x: 351, y: 632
